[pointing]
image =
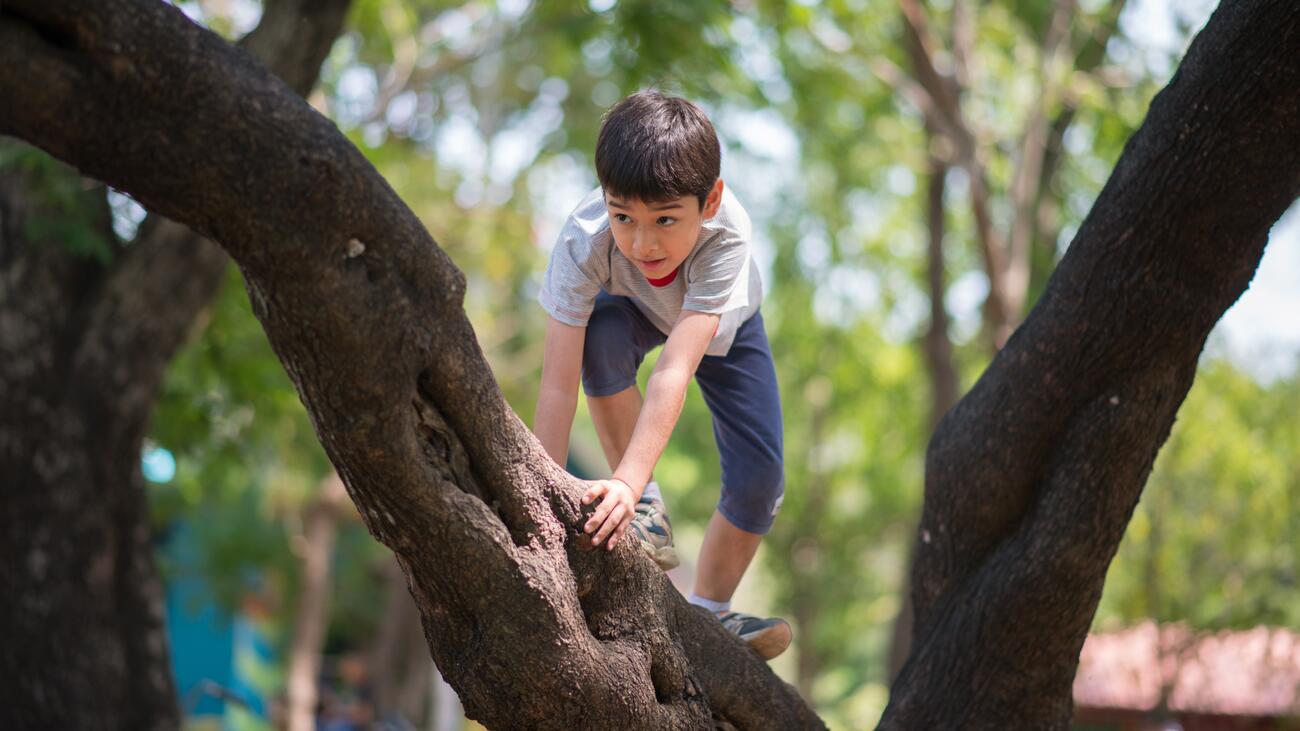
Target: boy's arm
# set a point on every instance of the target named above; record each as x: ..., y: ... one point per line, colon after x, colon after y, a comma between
x: 557, y: 400
x: 665, y: 394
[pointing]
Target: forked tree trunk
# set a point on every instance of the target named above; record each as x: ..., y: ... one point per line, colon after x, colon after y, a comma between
x: 365, y: 311
x: 84, y: 342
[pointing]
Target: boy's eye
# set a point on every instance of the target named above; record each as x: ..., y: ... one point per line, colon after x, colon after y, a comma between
x: 622, y: 218
x: 667, y: 220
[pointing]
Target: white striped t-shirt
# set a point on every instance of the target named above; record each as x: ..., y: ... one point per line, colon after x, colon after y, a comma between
x: 718, y: 277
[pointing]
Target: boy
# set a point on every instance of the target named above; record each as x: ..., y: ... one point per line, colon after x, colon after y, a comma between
x: 660, y: 254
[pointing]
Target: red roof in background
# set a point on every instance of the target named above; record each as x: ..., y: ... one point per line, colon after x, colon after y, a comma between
x: 1242, y: 673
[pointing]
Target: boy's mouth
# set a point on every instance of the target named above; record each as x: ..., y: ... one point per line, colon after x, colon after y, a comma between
x: 656, y: 271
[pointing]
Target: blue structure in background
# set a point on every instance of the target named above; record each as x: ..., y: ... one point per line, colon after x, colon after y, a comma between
x: 224, y: 665
x: 219, y: 661
x: 202, y: 641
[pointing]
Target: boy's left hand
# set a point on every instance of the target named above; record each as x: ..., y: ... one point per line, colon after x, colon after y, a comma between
x: 613, y: 514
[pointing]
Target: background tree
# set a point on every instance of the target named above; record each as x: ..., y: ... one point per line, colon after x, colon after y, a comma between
x: 1210, y: 546
x: 88, y: 323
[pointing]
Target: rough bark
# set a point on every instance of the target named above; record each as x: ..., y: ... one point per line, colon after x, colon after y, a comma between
x: 365, y: 311
x: 1032, y: 478
x: 84, y: 342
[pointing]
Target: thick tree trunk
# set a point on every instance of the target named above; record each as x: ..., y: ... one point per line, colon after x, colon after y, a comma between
x: 1032, y: 478
x: 84, y: 342
x: 365, y: 311
x: 82, y: 609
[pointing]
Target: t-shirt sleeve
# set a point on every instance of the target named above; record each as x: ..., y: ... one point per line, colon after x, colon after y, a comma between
x: 573, y: 277
x: 717, y: 279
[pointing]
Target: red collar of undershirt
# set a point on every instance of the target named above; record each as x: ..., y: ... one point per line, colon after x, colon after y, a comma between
x: 665, y: 281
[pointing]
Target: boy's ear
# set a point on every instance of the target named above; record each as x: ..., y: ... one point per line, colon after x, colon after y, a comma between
x: 713, y: 200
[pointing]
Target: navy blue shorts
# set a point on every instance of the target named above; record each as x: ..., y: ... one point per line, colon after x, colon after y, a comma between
x: 739, y: 389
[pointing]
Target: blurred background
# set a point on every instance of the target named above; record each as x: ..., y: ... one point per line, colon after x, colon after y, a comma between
x: 913, y: 172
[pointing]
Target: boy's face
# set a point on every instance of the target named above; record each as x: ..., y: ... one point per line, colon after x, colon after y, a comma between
x: 657, y: 236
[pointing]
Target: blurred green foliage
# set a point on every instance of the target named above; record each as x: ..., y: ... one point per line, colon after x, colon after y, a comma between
x: 1214, y: 541
x: 483, y: 117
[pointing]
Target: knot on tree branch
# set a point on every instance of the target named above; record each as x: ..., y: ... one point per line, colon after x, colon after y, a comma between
x: 444, y: 449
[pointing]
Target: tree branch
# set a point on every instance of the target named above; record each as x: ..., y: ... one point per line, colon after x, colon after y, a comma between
x: 169, y: 274
x: 1090, y: 56
x: 963, y: 43
x: 1031, y: 479
x: 1028, y: 173
x: 945, y: 100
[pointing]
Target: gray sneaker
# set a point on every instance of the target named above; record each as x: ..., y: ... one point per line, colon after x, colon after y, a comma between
x: 654, y: 532
x: 768, y: 637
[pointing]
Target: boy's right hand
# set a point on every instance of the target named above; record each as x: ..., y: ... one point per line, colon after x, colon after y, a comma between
x: 613, y: 514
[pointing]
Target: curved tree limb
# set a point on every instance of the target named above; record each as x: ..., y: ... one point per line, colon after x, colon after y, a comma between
x: 169, y: 274
x: 1032, y: 478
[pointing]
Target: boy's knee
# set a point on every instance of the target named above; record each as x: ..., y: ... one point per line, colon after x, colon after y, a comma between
x: 751, y: 500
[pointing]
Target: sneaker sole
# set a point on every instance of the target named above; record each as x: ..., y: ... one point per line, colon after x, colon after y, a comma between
x: 771, y: 642
x: 665, y: 557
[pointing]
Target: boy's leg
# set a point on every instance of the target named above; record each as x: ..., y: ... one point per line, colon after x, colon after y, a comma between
x: 741, y: 392
x: 614, y: 418
x: 742, y: 395
x: 725, y: 555
x: 618, y: 337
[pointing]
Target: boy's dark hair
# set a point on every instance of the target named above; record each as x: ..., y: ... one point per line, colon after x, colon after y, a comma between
x: 656, y: 148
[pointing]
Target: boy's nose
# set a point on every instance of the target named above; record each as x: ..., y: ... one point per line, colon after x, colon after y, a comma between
x: 643, y: 244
